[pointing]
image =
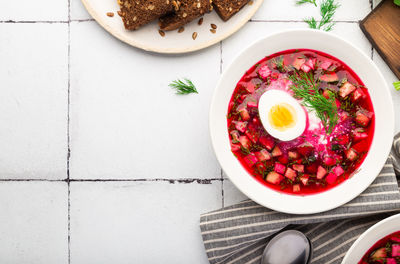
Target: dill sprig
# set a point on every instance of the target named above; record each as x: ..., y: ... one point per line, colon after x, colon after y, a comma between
x: 183, y: 87
x: 305, y: 88
x: 397, y: 85
x: 327, y: 11
x: 300, y: 2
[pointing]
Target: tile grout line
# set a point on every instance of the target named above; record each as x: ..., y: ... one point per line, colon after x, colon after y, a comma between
x: 221, y: 172
x: 68, y: 131
x: 371, y: 2
x: 92, y: 20
x: 172, y: 181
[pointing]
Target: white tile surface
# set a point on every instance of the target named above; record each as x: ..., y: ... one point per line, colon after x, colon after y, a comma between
x: 349, y: 10
x: 125, y: 120
x: 390, y: 78
x: 232, y: 194
x: 34, y: 223
x: 139, y: 222
x: 33, y: 100
x: 256, y: 30
x: 39, y: 10
x: 78, y: 11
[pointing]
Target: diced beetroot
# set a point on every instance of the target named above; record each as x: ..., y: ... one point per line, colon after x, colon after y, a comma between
x: 276, y: 152
x: 296, y: 188
x: 264, y: 72
x: 267, y: 142
x: 252, y: 103
x: 395, y: 250
x: 379, y: 253
x: 274, y: 177
x: 235, y: 147
x: 359, y: 134
x: 391, y: 261
x: 290, y: 174
x: 326, y: 64
x: 293, y: 155
x: 284, y: 159
x: 343, y: 116
x: 363, y: 117
x: 244, y: 114
x: 256, y: 121
x: 235, y: 135
x: 331, y: 178
x: 241, y: 126
x: 279, y: 168
x: 305, y: 149
x: 346, y: 89
x: 263, y: 155
x: 338, y: 170
x: 250, y: 87
x: 352, y: 155
x: 250, y: 160
x: 329, y: 77
x: 311, y: 63
x: 252, y: 135
x: 304, y: 179
x: 357, y: 95
x: 312, y: 168
x: 321, y: 172
x: 298, y: 62
x: 298, y: 167
x: 244, y: 141
x: 329, y: 160
x: 343, y: 139
x: 305, y: 68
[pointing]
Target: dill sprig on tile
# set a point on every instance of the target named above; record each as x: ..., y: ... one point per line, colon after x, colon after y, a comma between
x: 183, y: 87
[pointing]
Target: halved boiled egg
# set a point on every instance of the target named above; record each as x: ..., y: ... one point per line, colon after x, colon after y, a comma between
x: 281, y: 115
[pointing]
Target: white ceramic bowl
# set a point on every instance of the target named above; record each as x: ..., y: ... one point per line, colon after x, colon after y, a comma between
x: 370, y: 237
x: 364, y: 68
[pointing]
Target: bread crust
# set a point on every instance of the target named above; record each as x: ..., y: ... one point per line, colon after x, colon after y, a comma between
x: 136, y: 13
x: 188, y: 11
x: 227, y: 8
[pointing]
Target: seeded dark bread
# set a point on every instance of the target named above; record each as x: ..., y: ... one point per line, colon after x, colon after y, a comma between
x: 227, y: 8
x: 136, y: 13
x: 188, y: 11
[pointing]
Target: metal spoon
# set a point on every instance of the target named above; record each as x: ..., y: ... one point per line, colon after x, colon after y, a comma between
x: 288, y: 247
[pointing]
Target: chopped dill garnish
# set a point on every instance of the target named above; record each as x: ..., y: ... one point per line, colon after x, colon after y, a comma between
x: 397, y: 85
x: 327, y: 11
x: 300, y: 2
x: 279, y: 63
x: 306, y: 88
x: 183, y: 87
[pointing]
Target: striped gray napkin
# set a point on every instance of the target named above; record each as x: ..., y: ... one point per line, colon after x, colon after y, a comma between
x: 239, y: 233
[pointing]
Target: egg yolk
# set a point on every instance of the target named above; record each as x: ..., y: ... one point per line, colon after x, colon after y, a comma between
x: 282, y: 116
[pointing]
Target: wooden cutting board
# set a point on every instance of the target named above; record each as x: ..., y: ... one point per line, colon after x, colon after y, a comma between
x: 382, y: 28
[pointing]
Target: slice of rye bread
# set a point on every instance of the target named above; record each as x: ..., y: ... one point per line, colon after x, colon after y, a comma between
x: 227, y: 8
x: 136, y: 13
x: 188, y: 11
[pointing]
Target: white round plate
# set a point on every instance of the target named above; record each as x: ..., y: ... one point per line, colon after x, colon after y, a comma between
x: 364, y: 68
x: 148, y: 38
x: 370, y: 237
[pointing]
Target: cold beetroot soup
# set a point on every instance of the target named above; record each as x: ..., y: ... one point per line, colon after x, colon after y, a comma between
x: 300, y: 121
x: 385, y: 251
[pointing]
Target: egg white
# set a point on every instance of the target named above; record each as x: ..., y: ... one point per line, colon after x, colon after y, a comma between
x: 274, y: 97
